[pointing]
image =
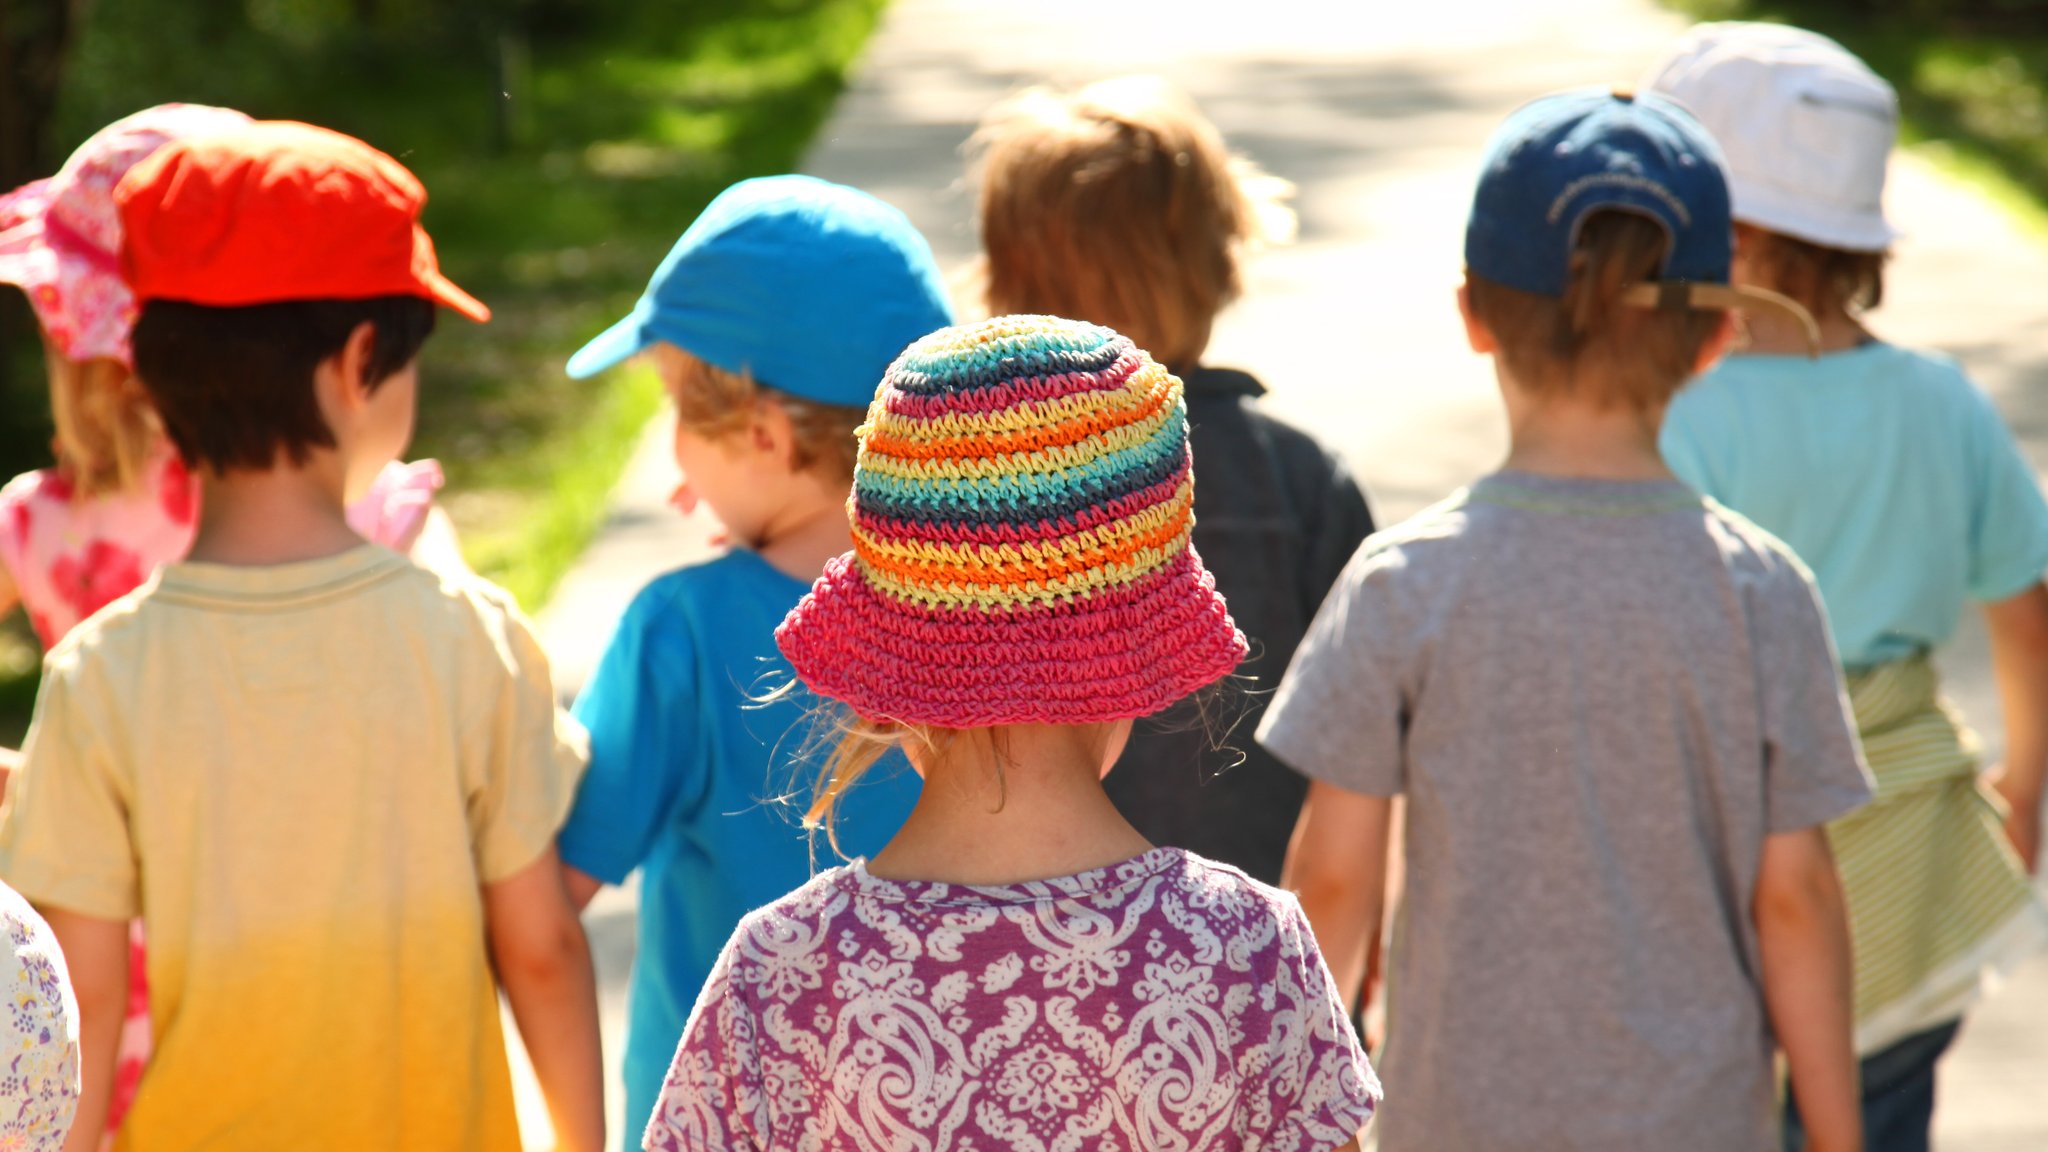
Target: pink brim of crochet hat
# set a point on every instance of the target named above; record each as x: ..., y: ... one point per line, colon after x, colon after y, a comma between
x: 1117, y: 655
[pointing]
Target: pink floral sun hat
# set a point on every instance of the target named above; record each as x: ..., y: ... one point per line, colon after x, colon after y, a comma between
x: 60, y: 237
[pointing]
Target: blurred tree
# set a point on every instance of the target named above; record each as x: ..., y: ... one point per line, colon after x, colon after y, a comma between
x: 35, y: 39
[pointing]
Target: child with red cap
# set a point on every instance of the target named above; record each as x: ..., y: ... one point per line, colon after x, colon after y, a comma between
x: 328, y: 780
x: 119, y: 502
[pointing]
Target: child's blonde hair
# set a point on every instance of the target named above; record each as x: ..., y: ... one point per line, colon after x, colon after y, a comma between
x: 107, y: 431
x: 715, y: 403
x: 1551, y: 343
x: 1119, y: 204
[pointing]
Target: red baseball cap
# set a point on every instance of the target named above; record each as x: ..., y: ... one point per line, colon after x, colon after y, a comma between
x: 276, y: 211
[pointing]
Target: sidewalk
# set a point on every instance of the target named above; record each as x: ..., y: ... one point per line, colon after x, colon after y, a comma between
x: 1378, y: 119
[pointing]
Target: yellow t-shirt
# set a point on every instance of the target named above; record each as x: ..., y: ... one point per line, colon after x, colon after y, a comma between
x: 299, y: 777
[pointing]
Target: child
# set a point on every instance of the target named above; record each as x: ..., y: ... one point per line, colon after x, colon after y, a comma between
x: 1018, y: 968
x: 1894, y: 477
x: 327, y: 780
x: 119, y: 502
x: 1611, y: 707
x: 39, y: 1092
x: 770, y: 321
x: 1132, y: 166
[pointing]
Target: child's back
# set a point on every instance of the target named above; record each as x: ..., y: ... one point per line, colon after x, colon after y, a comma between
x: 1610, y: 705
x: 1893, y: 476
x: 302, y: 773
x: 686, y: 756
x: 1166, y: 997
x: 1570, y: 680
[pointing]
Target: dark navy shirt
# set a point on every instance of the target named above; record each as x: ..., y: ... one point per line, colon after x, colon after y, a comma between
x: 1277, y: 516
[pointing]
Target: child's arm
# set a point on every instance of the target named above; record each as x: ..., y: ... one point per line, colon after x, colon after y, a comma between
x: 96, y: 955
x: 543, y: 961
x: 1803, y: 934
x: 1337, y: 866
x: 581, y: 885
x: 2019, y: 659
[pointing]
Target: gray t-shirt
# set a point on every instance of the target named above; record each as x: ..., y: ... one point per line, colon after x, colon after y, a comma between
x: 1598, y: 698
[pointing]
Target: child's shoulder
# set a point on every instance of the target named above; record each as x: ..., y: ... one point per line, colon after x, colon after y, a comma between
x: 1438, y: 534
x: 733, y: 592
x: 1750, y: 552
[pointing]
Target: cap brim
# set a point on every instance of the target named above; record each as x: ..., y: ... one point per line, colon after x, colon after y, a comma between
x: 444, y: 292
x: 611, y: 347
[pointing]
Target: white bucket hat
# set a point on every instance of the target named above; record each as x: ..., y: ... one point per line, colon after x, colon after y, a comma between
x: 1806, y: 128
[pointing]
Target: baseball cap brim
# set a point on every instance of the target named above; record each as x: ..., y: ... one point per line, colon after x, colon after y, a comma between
x: 613, y: 346
x: 444, y: 291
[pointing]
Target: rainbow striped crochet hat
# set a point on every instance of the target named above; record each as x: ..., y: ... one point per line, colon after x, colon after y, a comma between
x: 1021, y: 518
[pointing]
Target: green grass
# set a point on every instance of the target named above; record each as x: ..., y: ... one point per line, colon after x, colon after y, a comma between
x: 1973, y: 91
x: 558, y: 173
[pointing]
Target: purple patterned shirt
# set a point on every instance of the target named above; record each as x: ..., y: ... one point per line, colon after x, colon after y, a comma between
x: 1165, y: 1004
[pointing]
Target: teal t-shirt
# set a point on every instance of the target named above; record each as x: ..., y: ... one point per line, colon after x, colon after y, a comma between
x: 1885, y: 469
x: 685, y: 766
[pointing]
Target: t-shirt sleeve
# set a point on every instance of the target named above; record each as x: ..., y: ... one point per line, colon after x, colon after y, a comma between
x: 713, y: 1099
x: 637, y: 708
x: 525, y: 754
x: 64, y: 839
x: 1306, y: 1081
x: 1340, y: 714
x: 1813, y: 765
x: 2009, y: 518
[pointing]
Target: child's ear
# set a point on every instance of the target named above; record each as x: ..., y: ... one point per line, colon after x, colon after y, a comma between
x: 1476, y: 334
x: 772, y: 433
x: 343, y: 379
x: 1717, y: 345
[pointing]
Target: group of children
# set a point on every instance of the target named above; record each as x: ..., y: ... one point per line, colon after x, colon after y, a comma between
x: 1643, y: 805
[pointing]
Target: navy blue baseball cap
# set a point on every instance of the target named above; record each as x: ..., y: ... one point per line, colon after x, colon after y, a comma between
x: 809, y: 287
x: 1563, y: 157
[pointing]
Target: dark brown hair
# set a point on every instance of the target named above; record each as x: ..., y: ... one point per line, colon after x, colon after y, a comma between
x: 1549, y: 343
x: 234, y: 386
x: 1825, y: 280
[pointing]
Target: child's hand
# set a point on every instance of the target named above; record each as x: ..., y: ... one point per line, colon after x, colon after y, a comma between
x: 2022, y: 818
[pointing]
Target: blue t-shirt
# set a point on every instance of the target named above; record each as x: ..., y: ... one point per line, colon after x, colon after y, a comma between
x: 1885, y: 469
x: 685, y: 764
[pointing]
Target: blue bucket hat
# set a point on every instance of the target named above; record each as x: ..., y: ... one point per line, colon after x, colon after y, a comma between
x: 810, y: 287
x: 1561, y: 158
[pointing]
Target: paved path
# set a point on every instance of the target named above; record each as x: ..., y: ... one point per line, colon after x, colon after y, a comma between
x: 1378, y: 121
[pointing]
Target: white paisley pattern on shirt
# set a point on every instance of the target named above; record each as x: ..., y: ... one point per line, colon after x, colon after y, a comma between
x: 1166, y: 1004
x: 39, y: 1039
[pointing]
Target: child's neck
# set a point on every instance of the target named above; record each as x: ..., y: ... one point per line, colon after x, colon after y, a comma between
x: 810, y: 530
x: 1048, y: 817
x: 1567, y: 437
x: 282, y: 515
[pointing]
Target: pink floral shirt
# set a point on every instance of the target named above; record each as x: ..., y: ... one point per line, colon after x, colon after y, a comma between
x: 1165, y: 1003
x: 69, y: 558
